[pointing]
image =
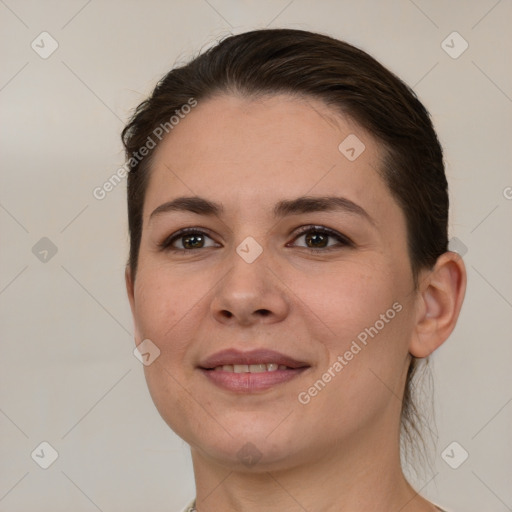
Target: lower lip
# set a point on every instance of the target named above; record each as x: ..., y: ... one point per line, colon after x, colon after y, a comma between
x: 249, y: 382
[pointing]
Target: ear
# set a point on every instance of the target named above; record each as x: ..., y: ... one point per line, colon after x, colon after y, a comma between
x: 440, y: 298
x: 131, y: 297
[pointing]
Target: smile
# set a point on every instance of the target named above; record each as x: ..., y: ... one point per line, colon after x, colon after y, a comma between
x: 251, y: 368
x: 250, y: 382
x: 250, y: 371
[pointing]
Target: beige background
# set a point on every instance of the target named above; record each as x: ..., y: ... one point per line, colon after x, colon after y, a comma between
x: 68, y: 375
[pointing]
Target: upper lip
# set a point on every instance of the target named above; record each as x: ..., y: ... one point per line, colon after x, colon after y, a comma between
x: 259, y: 356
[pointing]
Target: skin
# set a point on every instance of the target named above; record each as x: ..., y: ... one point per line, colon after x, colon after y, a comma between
x: 339, y: 452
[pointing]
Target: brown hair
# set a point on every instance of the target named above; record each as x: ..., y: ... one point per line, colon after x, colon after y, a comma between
x: 345, y: 78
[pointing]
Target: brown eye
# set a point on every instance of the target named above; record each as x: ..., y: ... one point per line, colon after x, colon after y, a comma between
x: 189, y: 239
x: 317, y: 238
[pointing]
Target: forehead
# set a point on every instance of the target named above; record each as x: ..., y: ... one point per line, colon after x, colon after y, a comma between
x: 251, y: 152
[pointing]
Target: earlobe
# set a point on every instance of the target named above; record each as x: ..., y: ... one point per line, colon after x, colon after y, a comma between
x: 440, y: 299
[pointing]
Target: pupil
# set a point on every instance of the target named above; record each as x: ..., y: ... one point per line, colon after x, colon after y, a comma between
x: 187, y: 239
x: 315, y: 237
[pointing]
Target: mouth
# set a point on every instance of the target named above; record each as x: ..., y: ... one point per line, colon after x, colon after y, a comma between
x: 251, y: 371
x: 250, y: 368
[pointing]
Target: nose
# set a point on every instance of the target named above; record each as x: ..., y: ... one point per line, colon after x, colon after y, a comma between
x: 250, y: 293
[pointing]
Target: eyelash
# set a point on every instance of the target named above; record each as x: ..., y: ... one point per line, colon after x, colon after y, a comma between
x: 344, y: 241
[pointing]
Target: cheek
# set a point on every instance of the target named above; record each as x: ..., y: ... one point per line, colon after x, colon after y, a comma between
x: 349, y: 298
x: 161, y: 305
x: 362, y: 319
x: 164, y: 314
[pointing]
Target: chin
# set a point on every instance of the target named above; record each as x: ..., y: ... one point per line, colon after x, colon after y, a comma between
x: 248, y: 451
x: 245, y: 456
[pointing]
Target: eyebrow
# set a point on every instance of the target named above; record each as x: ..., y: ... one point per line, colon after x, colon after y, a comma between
x: 286, y: 207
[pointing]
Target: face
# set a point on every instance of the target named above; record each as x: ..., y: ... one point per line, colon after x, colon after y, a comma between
x: 323, y: 294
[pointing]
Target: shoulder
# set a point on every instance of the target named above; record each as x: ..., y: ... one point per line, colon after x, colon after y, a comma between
x: 191, y: 507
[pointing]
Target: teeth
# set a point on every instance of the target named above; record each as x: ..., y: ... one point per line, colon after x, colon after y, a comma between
x: 251, y: 368
x: 257, y: 368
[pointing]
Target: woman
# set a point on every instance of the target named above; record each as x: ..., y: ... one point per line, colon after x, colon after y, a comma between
x: 288, y: 270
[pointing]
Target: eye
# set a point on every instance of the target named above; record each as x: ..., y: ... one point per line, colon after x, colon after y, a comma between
x: 189, y: 238
x: 317, y: 238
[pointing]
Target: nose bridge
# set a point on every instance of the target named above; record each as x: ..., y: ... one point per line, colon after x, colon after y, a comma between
x: 249, y: 271
x: 250, y: 289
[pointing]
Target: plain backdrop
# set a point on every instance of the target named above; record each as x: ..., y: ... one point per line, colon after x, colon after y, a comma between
x: 68, y: 376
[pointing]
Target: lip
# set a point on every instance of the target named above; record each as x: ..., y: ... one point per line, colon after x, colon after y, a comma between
x: 258, y: 356
x: 250, y: 382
